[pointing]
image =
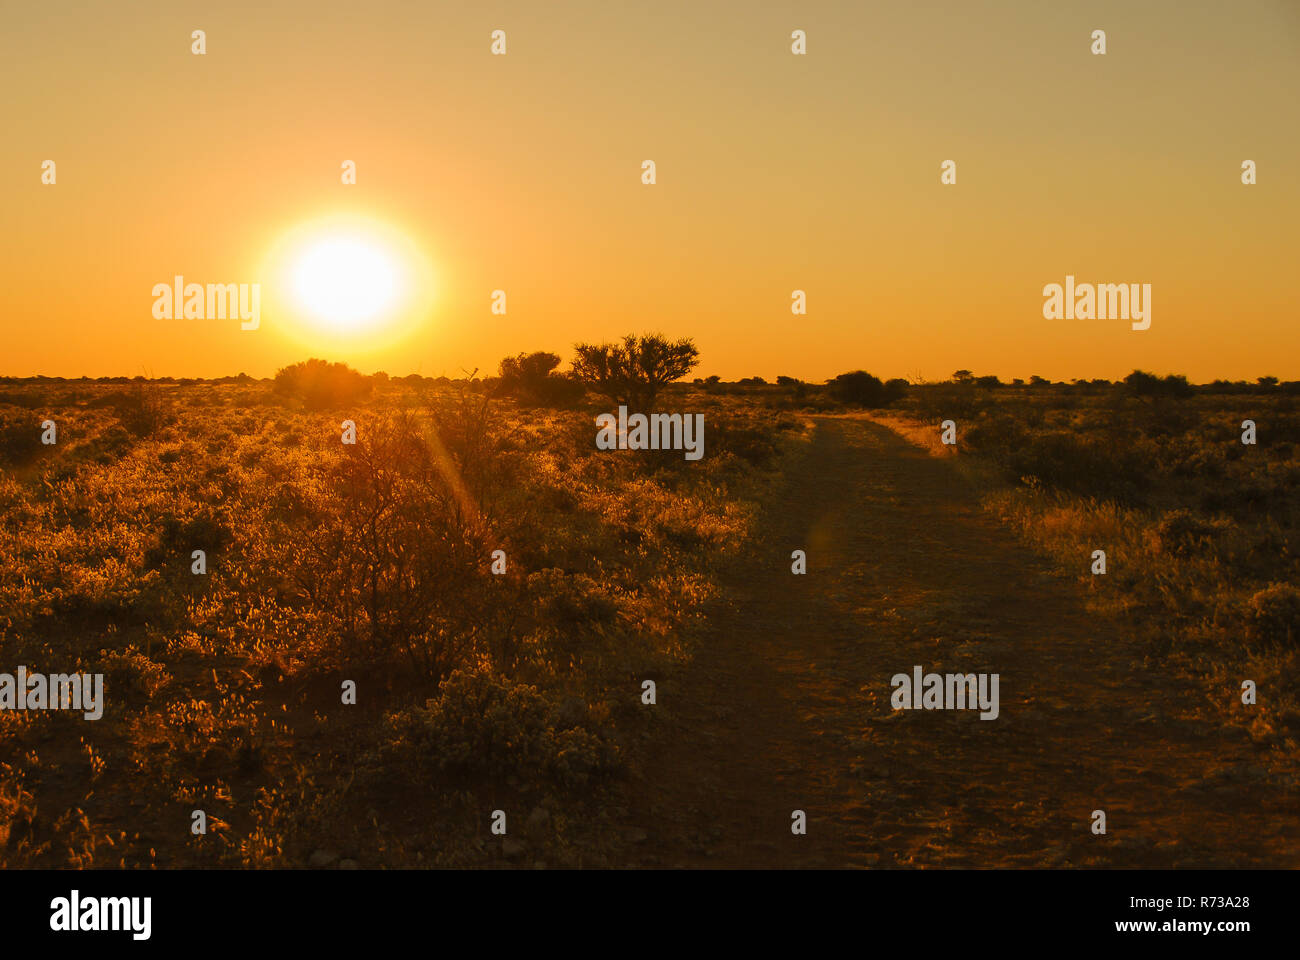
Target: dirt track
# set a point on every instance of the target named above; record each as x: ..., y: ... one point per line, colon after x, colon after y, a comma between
x: 786, y: 705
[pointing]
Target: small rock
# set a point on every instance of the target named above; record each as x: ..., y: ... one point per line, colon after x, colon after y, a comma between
x: 322, y: 858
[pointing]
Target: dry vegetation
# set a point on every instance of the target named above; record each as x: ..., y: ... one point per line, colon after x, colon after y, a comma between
x: 1199, y: 529
x: 372, y: 563
x: 329, y: 562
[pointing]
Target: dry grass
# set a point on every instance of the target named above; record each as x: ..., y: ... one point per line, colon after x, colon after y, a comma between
x: 1198, y: 529
x: 329, y: 563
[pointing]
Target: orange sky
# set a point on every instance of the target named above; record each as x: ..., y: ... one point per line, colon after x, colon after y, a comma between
x: 775, y: 172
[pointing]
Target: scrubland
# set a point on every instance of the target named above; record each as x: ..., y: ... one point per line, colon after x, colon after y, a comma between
x: 1198, y: 528
x: 330, y: 567
x: 369, y: 567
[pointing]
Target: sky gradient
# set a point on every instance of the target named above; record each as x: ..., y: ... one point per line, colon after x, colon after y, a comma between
x: 775, y: 172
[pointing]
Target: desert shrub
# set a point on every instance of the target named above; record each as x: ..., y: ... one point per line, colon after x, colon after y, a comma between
x: 798, y: 389
x: 941, y: 401
x: 1145, y: 384
x: 469, y: 445
x: 756, y: 444
x: 1274, y: 614
x: 129, y: 673
x: 20, y: 836
x: 530, y: 377
x: 997, y: 436
x: 571, y: 601
x: 1182, y: 532
x: 107, y: 593
x: 20, y: 436
x: 860, y: 388
x: 176, y: 539
x: 1088, y: 465
x: 896, y: 388
x: 634, y: 372
x: 396, y: 554
x: 142, y: 409
x: 321, y: 385
x: 483, y: 724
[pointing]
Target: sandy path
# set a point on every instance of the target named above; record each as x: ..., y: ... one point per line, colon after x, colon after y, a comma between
x: 786, y: 705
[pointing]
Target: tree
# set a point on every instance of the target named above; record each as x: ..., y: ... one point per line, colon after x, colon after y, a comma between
x: 632, y: 373
x: 529, y: 377
x: 963, y: 376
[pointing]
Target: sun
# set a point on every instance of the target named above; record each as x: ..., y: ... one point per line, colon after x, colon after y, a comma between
x: 346, y: 281
x: 349, y: 282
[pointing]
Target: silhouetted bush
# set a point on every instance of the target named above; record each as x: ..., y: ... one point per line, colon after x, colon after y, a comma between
x: 529, y: 377
x: 321, y: 385
x: 862, y: 389
x: 1149, y: 385
x: 632, y: 373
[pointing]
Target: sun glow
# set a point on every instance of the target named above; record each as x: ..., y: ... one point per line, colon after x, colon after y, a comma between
x: 346, y: 281
x: 351, y: 282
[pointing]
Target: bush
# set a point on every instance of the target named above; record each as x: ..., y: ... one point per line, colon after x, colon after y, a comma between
x: 395, y: 555
x: 1182, y: 532
x: 860, y: 388
x: 1149, y: 385
x: 321, y: 385
x: 487, y: 725
x: 1091, y: 466
x: 634, y: 372
x: 131, y: 674
x: 530, y: 377
x: 141, y: 410
x: 177, y: 539
x: 20, y: 437
x: 1274, y: 614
